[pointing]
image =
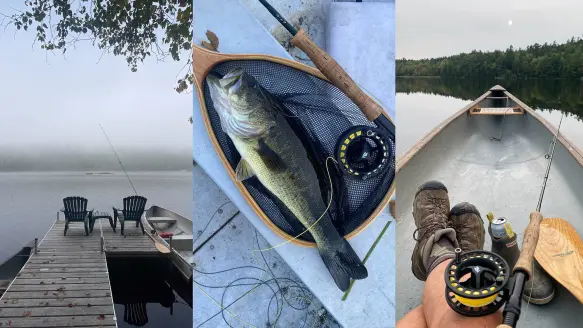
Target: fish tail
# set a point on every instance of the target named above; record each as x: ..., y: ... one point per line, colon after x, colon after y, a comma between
x: 343, y: 263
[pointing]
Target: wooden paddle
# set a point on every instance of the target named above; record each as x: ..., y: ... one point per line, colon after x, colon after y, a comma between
x: 560, y: 252
x: 161, y: 248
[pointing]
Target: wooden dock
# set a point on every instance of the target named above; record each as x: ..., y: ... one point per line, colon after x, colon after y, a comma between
x: 66, y: 283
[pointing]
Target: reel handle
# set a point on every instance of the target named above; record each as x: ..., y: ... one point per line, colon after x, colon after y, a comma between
x: 529, y: 243
x: 337, y: 75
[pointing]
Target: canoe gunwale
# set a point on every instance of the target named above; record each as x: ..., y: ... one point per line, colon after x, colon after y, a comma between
x: 405, y: 158
x: 209, y: 59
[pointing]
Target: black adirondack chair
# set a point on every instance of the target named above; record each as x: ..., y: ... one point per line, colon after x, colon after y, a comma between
x: 75, y: 209
x: 133, y: 208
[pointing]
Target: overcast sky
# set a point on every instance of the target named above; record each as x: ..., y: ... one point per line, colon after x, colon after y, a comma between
x: 432, y: 28
x: 47, y: 100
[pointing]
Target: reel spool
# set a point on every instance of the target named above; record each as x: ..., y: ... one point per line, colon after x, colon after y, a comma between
x: 363, y: 152
x: 486, y: 289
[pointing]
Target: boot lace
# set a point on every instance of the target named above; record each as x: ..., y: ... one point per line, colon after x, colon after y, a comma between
x: 430, y: 228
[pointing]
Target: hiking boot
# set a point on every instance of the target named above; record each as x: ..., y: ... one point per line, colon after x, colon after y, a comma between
x: 539, y: 289
x: 436, y: 239
x: 469, y: 227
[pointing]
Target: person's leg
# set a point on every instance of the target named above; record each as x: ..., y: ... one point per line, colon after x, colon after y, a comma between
x: 439, y: 232
x: 414, y: 319
x: 437, y: 312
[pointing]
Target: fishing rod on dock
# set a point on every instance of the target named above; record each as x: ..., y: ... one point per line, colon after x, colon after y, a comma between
x: 119, y: 160
x: 523, y: 270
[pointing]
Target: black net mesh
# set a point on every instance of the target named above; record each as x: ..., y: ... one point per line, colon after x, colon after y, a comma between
x: 320, y: 114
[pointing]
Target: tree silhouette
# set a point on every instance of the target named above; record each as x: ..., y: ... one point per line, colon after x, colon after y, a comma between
x: 535, y: 61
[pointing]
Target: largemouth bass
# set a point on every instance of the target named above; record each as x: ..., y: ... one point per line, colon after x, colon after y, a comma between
x: 271, y: 151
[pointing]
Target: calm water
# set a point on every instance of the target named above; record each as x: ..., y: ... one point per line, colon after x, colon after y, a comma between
x: 160, y: 298
x: 422, y: 103
x: 30, y: 201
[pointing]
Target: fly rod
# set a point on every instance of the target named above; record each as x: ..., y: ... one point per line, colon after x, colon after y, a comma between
x: 335, y: 73
x: 523, y: 269
x: 119, y: 160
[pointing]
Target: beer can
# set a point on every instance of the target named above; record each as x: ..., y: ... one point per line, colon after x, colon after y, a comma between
x: 501, y: 228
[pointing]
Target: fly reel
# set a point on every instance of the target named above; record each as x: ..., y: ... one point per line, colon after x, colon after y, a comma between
x: 484, y: 291
x: 363, y: 152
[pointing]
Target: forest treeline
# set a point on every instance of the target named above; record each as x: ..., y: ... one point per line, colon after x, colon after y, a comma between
x: 536, y: 61
x: 565, y: 95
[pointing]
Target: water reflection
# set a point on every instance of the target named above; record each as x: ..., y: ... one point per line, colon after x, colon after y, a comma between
x: 545, y: 95
x: 149, y: 293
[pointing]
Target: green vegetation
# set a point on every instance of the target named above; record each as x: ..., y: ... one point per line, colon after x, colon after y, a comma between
x: 132, y: 29
x: 565, y: 94
x: 536, y: 61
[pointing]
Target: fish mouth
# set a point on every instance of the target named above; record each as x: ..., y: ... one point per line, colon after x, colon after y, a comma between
x: 233, y: 80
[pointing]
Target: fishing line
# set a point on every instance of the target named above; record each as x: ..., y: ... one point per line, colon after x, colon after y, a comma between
x: 542, y: 193
x: 209, y: 221
x: 278, y: 292
x: 321, y: 216
x: 119, y: 160
x: 502, y: 134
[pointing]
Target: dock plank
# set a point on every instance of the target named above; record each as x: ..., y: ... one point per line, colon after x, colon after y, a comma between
x: 66, y: 283
x: 49, y: 311
x: 59, y: 321
x: 75, y: 301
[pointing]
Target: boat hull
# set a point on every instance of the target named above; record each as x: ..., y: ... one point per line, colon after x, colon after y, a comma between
x: 497, y: 163
x: 164, y: 221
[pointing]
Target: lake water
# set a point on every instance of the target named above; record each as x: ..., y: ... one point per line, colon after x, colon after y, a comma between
x: 422, y: 103
x: 160, y: 298
x: 30, y: 200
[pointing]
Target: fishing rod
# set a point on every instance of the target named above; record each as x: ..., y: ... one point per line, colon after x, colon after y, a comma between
x: 523, y: 269
x: 335, y: 73
x: 119, y: 160
x: 483, y: 294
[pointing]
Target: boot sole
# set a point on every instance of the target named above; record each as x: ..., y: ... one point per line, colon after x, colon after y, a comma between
x: 539, y: 301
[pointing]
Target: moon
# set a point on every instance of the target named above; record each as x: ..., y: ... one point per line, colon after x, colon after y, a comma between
x: 510, y: 23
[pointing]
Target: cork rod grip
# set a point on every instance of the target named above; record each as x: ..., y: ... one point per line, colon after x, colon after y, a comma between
x: 529, y: 242
x: 503, y: 326
x: 337, y: 75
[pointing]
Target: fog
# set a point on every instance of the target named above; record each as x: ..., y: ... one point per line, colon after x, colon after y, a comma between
x: 50, y: 102
x: 79, y: 159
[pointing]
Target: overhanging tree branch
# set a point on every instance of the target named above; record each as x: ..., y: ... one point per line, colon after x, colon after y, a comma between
x: 134, y: 29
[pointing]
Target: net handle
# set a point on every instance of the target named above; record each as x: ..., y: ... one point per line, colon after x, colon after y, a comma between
x: 337, y: 75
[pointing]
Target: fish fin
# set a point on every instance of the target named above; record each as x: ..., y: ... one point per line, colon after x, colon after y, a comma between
x: 343, y: 263
x: 243, y: 171
x: 270, y: 158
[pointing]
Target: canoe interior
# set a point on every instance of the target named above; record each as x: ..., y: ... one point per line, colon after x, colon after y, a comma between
x: 504, y: 177
x: 166, y: 221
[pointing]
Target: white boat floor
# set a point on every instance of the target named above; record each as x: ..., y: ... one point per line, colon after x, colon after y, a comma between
x: 504, y: 178
x: 371, y: 300
x: 227, y: 270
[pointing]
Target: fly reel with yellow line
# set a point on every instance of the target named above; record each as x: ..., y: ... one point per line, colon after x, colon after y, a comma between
x: 476, y: 283
x: 363, y: 152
